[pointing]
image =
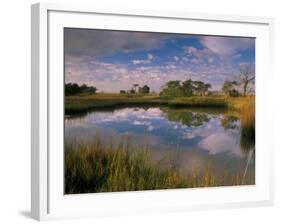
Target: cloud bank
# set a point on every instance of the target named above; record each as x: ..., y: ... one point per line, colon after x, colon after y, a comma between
x: 115, y: 60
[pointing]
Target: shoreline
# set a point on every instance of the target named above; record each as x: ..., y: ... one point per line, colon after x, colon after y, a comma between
x: 86, y: 103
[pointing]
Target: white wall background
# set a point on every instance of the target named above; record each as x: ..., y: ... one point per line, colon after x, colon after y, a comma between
x: 15, y: 110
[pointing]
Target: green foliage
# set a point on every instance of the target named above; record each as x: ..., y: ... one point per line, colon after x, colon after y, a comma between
x: 198, y: 101
x: 74, y: 88
x: 144, y: 90
x: 173, y: 89
x: 186, y: 117
x: 200, y: 88
x: 136, y: 88
x: 229, y: 88
x: 187, y: 88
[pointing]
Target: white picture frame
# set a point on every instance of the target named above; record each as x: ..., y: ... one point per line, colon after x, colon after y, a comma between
x: 47, y: 199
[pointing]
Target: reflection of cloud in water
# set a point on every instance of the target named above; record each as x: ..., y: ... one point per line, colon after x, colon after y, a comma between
x: 192, y: 146
x: 126, y: 114
x: 135, y: 122
x: 133, y: 116
x: 144, y: 123
x: 189, y: 135
x: 210, y: 136
x: 176, y: 126
x: 201, y: 131
x: 221, y: 142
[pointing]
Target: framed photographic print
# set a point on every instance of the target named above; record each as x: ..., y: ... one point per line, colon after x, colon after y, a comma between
x: 146, y: 111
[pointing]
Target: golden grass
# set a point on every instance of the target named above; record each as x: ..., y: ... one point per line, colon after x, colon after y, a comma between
x: 105, y: 168
x: 247, y: 119
x: 85, y: 103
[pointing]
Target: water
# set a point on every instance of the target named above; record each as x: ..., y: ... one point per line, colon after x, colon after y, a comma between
x: 191, y: 139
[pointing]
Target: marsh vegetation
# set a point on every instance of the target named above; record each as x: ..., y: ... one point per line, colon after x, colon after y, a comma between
x: 119, y: 142
x: 107, y: 168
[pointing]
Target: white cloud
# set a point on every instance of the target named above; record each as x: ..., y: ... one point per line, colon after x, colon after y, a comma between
x: 84, y: 45
x: 210, y: 60
x: 220, y: 142
x: 199, y: 53
x: 176, y: 58
x: 141, y: 123
x: 190, y: 50
x: 170, y: 67
x: 145, y: 61
x: 139, y: 62
x: 150, y: 57
x: 109, y: 77
x: 90, y: 42
x: 194, y: 61
x: 226, y: 46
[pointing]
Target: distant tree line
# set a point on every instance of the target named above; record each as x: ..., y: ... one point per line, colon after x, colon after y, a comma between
x: 137, y: 89
x: 188, y: 87
x: 238, y: 87
x: 177, y: 88
x: 74, y: 88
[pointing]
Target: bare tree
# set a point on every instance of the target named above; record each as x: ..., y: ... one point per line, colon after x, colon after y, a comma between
x: 246, y: 77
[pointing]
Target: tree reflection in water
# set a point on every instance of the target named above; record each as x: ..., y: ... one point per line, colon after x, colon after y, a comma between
x: 186, y: 117
x: 229, y: 122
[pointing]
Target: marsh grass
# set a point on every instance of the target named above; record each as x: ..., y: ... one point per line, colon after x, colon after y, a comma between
x: 105, y: 168
x: 82, y: 104
x: 86, y: 103
x: 247, y: 119
x: 99, y: 169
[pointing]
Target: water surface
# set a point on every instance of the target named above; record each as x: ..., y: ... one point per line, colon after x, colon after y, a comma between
x: 191, y: 139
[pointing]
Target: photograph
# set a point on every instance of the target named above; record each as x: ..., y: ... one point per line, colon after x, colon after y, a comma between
x: 157, y: 111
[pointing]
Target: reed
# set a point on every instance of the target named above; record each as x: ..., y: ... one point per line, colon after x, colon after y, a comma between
x: 247, y: 118
x: 97, y: 168
x: 107, y: 168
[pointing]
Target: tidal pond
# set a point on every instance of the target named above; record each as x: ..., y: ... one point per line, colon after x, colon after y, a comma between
x: 192, y: 139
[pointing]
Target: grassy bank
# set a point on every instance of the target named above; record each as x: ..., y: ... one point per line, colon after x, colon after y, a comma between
x: 85, y: 103
x: 104, y: 168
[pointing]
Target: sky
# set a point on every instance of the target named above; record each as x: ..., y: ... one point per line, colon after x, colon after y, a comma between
x: 115, y: 60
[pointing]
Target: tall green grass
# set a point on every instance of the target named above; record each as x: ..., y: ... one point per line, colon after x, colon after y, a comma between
x: 98, y: 169
x: 107, y: 168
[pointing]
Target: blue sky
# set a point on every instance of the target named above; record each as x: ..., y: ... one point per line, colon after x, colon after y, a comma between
x: 115, y: 60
